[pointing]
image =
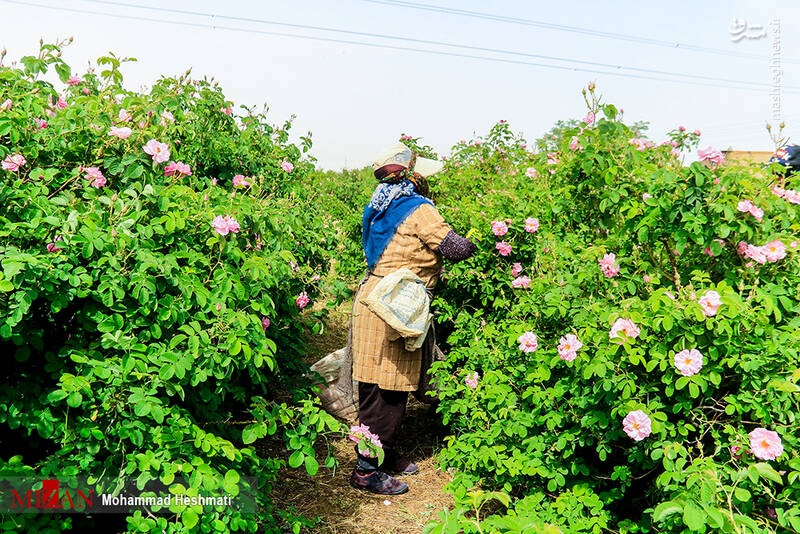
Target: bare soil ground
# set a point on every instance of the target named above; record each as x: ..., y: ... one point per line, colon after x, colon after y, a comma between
x: 342, y: 509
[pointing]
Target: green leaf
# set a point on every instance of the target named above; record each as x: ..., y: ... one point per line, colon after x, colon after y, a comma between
x: 666, y: 509
x: 693, y: 516
x: 767, y: 471
x: 312, y: 466
x: 742, y: 494
x: 296, y: 459
x: 189, y: 518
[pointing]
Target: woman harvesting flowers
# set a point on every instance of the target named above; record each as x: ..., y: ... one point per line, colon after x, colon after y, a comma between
x: 401, y: 228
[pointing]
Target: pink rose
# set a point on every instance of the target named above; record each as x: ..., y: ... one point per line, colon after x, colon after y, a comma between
x: 637, y: 425
x: 774, y: 251
x: 575, y: 143
x: 471, y: 380
x: 521, y: 282
x: 74, y: 81
x: 709, y: 303
x: 765, y: 444
x: 167, y: 116
x: 516, y: 269
x: 499, y: 228
x: 689, y: 362
x: 224, y: 225
x: 124, y: 116
x: 608, y: 265
x: 646, y: 279
x: 589, y: 118
x: 531, y: 224
x: 645, y: 196
x: 97, y: 178
x: 265, y: 323
x: 6, y: 105
x: 552, y: 158
x: 120, y: 133
x: 778, y: 191
x: 302, y: 300
x: 710, y: 154
x: 287, y: 166
x: 568, y: 347
x: 13, y: 162
x: 530, y: 172
x: 159, y: 151
x: 756, y: 254
x: 52, y: 247
x: 625, y: 327
x: 682, y: 128
x: 41, y: 124
x: 792, y: 196
x: 227, y: 111
x: 504, y: 248
x: 528, y: 342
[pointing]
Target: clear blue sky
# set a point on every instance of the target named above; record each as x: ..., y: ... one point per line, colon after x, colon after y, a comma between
x: 356, y: 99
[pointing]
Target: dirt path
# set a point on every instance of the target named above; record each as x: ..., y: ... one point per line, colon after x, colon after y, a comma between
x: 342, y: 509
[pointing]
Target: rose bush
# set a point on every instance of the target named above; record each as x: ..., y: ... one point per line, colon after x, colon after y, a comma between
x: 146, y: 305
x: 677, y: 410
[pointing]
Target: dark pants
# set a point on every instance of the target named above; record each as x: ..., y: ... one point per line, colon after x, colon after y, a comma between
x: 382, y: 411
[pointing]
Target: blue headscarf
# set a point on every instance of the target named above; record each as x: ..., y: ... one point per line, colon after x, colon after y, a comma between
x: 390, y: 205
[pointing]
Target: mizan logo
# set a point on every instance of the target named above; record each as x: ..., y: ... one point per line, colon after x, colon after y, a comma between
x: 52, y: 496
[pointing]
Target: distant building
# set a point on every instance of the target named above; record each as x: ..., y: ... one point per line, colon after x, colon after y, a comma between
x: 747, y: 156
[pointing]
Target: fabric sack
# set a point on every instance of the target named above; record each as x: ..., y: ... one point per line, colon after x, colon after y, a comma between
x: 403, y: 302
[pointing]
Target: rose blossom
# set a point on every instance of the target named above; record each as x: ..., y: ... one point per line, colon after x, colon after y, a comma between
x: 52, y: 247
x: 13, y: 162
x: 531, y: 172
x: 124, y: 116
x: 121, y: 133
x: 362, y: 431
x: 710, y: 154
x: 568, y: 347
x: 179, y: 168
x: 575, y: 143
x: 471, y: 380
x: 6, y: 105
x: 159, y: 151
x: 522, y: 281
x: 589, y: 118
x: 302, y: 300
x: 499, y: 228
x: 624, y: 326
x: 41, y: 124
x: 528, y: 342
x: 792, y: 196
x: 97, y: 178
x: 287, y: 166
x: 240, y: 181
x: 689, y: 362
x: 504, y: 248
x: 774, y: 250
x: 710, y: 302
x: 224, y: 225
x: 637, y: 425
x: 765, y: 444
x: 265, y: 323
x: 608, y: 265
x: 531, y: 224
x: 645, y: 196
x: 74, y: 81
x: 167, y: 116
x: 516, y: 269
x: 646, y: 279
x: 757, y: 254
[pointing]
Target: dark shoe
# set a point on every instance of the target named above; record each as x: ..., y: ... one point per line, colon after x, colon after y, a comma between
x: 377, y: 482
x: 397, y: 465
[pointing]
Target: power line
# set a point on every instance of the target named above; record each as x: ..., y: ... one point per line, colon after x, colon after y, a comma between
x: 572, y: 29
x: 435, y: 43
x: 390, y: 47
